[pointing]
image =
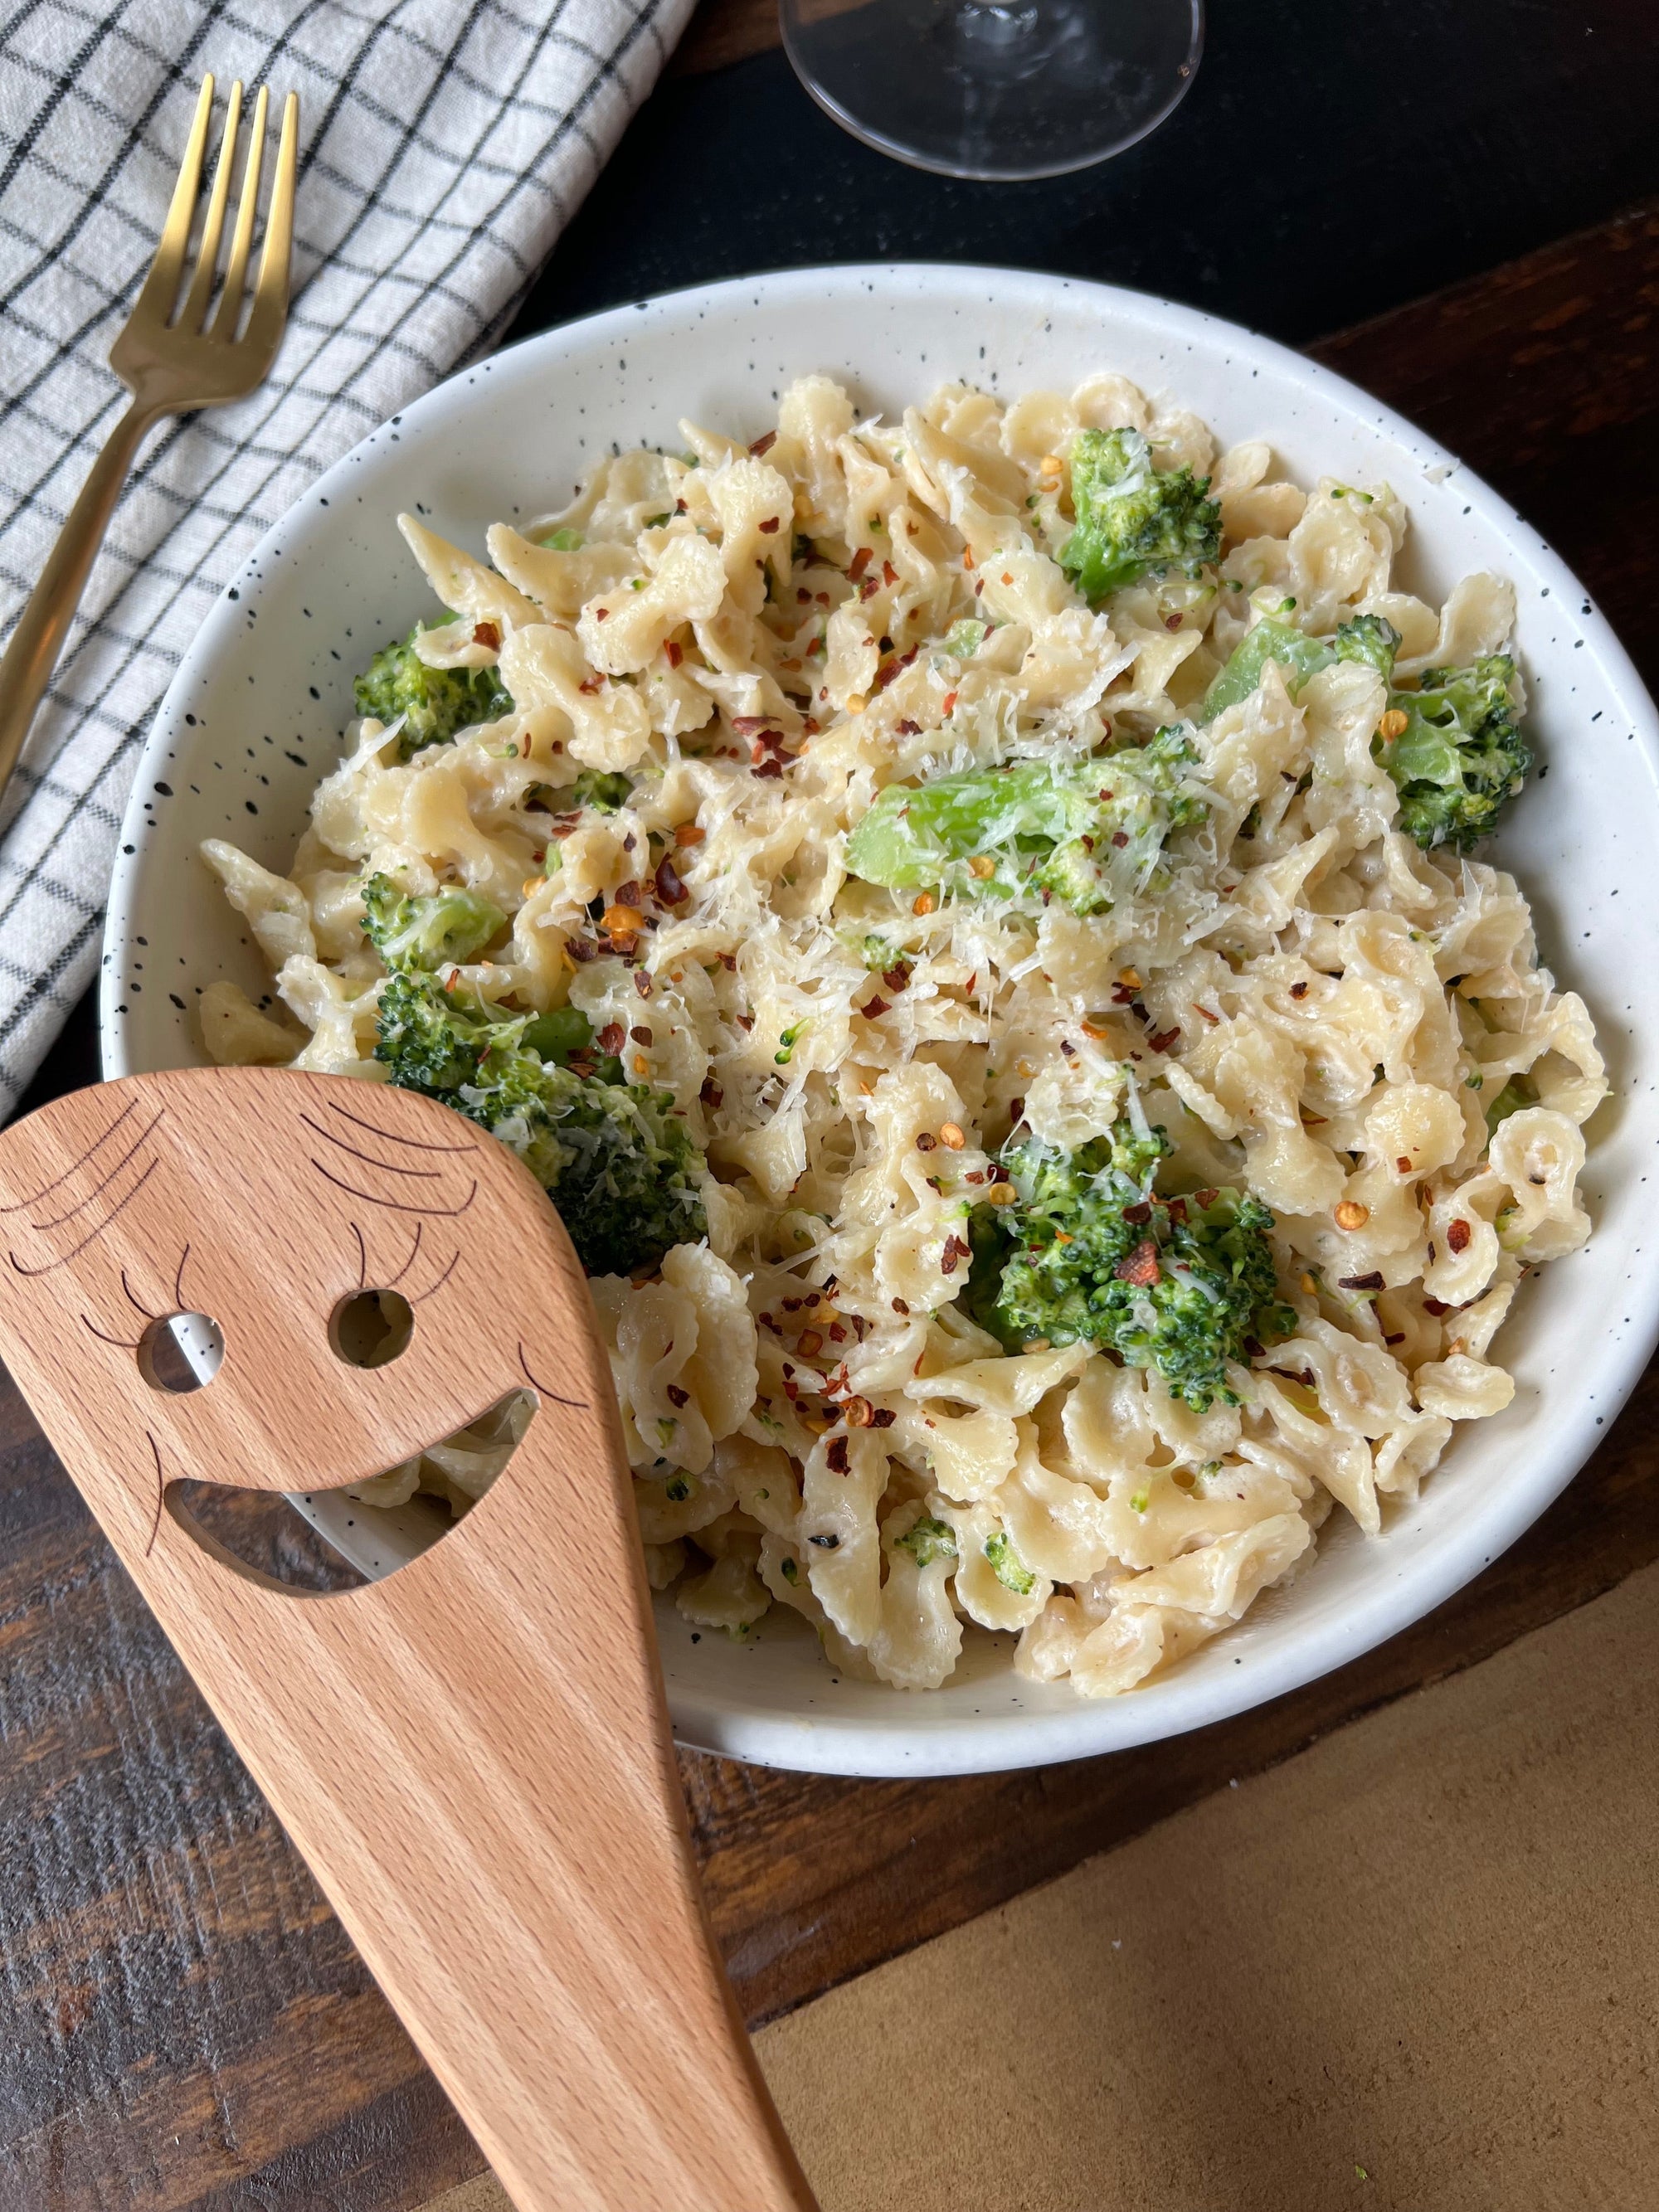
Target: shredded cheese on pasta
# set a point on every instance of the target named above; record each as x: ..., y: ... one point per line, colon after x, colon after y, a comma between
x: 1314, y: 1010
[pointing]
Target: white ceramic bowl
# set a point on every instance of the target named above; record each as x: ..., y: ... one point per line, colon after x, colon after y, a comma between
x: 254, y: 717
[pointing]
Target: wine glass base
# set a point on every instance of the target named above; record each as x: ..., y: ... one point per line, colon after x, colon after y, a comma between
x: 1002, y: 90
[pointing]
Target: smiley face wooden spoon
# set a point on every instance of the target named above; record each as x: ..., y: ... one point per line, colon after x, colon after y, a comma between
x: 473, y: 1755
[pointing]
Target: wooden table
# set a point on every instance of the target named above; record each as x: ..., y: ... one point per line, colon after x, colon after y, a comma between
x: 182, y: 2021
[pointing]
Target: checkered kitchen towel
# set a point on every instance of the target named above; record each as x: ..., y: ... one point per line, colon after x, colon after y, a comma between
x: 443, y: 145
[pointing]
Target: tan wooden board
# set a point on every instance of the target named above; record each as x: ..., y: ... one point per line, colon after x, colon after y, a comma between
x: 1414, y: 1970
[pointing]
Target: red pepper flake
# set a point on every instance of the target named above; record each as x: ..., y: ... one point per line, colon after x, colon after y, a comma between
x: 728, y: 961
x: 1212, y: 1019
x: 1399, y: 1337
x: 889, y: 574
x: 642, y: 981
x: 748, y: 726
x: 1138, y: 1215
x: 769, y: 527
x: 926, y: 1141
x: 1298, y: 990
x: 1119, y: 838
x: 873, y: 1009
x: 1178, y: 1212
x: 1457, y: 1235
x: 677, y: 1396
x: 674, y: 652
x: 640, y: 1035
x: 901, y: 1307
x: 581, y: 948
x: 1016, y: 1111
x: 860, y: 561
x: 1434, y: 1306
x: 834, y: 1457
x: 1123, y: 995
x: 611, y: 1038
x: 951, y: 1257
x: 909, y: 729
x: 627, y: 894
x: 1163, y: 1039
x: 589, y: 684
x: 1371, y: 1282
x: 898, y: 977
x: 601, y: 614
x: 883, y: 1417
x: 1403, y: 1164
x: 809, y: 1343
x: 670, y: 891
x: 1206, y: 1198
x: 1172, y: 622
x: 487, y: 634
x: 886, y: 674
x: 950, y: 703
x: 767, y: 767
x: 837, y: 1334
x: 764, y: 445
x: 711, y: 1094
x: 1140, y: 1268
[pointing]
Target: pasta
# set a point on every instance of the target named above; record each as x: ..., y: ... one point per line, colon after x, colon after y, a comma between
x: 1317, y: 1013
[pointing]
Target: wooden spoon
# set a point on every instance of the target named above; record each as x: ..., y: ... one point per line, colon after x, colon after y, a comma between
x: 473, y: 1755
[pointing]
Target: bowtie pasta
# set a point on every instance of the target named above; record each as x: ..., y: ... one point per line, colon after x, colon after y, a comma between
x: 973, y: 921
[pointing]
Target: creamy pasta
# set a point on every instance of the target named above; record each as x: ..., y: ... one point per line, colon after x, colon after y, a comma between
x: 748, y: 644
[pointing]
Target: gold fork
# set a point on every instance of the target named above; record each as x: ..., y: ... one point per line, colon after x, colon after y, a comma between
x: 170, y: 367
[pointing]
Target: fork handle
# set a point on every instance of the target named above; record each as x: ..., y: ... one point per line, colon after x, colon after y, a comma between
x: 45, y: 623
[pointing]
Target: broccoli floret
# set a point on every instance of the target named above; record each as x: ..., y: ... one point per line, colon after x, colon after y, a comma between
x: 928, y: 1540
x: 1090, y: 833
x: 427, y: 932
x: 615, y: 1160
x: 434, y: 703
x: 1460, y: 755
x: 1010, y: 1569
x: 606, y: 792
x: 1370, y: 638
x: 1089, y: 1252
x: 1131, y: 520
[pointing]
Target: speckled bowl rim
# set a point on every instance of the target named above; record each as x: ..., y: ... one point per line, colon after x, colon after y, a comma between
x: 926, y: 1735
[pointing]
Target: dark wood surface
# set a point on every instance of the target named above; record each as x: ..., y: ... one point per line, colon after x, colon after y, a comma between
x: 182, y: 2023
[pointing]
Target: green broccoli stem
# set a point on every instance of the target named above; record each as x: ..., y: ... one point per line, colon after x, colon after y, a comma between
x: 1090, y: 832
x: 1367, y: 638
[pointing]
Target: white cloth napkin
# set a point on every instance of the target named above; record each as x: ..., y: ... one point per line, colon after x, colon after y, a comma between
x: 443, y: 145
